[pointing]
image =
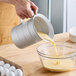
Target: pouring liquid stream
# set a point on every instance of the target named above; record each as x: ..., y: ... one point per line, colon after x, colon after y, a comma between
x: 57, y: 65
x: 46, y: 37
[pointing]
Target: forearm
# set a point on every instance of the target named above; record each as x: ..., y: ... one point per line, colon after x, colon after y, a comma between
x: 14, y: 2
x: 4, y: 1
x: 24, y: 8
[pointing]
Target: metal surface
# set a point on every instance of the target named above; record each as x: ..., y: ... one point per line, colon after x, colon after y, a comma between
x: 25, y: 34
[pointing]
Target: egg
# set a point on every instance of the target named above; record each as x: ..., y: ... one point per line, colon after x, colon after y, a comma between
x: 2, y: 63
x: 12, y: 68
x: 7, y: 71
x: 8, y: 74
x: 2, y: 71
x: 18, y: 72
x: 6, y: 65
x: 12, y: 74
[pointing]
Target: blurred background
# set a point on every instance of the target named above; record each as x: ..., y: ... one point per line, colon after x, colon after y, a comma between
x: 61, y: 13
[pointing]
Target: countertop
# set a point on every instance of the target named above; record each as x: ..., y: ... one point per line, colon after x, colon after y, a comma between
x: 29, y: 60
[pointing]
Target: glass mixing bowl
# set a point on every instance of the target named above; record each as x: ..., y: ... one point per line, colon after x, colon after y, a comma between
x: 66, y: 60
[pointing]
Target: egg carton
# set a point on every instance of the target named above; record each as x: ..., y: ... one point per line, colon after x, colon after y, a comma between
x: 9, y: 68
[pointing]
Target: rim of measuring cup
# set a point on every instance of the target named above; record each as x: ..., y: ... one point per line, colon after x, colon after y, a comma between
x: 50, y: 57
x: 47, y: 21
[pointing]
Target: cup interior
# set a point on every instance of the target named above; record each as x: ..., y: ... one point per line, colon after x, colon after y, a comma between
x: 40, y: 25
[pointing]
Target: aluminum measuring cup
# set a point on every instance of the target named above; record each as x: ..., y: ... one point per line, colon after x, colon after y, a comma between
x: 25, y: 34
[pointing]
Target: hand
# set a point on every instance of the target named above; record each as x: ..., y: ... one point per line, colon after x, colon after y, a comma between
x: 25, y: 8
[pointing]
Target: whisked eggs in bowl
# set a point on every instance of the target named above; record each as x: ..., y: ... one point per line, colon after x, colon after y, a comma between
x: 65, y: 61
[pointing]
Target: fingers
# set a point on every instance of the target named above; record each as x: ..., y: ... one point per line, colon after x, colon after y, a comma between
x: 30, y: 12
x: 34, y: 7
x: 26, y: 11
x: 25, y: 14
x: 22, y: 15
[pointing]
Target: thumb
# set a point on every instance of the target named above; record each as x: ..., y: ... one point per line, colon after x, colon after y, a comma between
x: 34, y: 7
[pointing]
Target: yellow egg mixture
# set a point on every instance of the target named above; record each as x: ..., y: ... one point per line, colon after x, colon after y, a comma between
x: 56, y: 65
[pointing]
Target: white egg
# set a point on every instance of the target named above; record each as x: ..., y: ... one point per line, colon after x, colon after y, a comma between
x: 18, y: 72
x: 2, y: 63
x: 12, y: 74
x: 7, y: 65
x: 2, y: 71
x: 6, y: 71
x: 8, y: 74
x: 12, y: 68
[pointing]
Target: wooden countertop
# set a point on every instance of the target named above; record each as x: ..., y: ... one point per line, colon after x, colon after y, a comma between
x: 29, y: 59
